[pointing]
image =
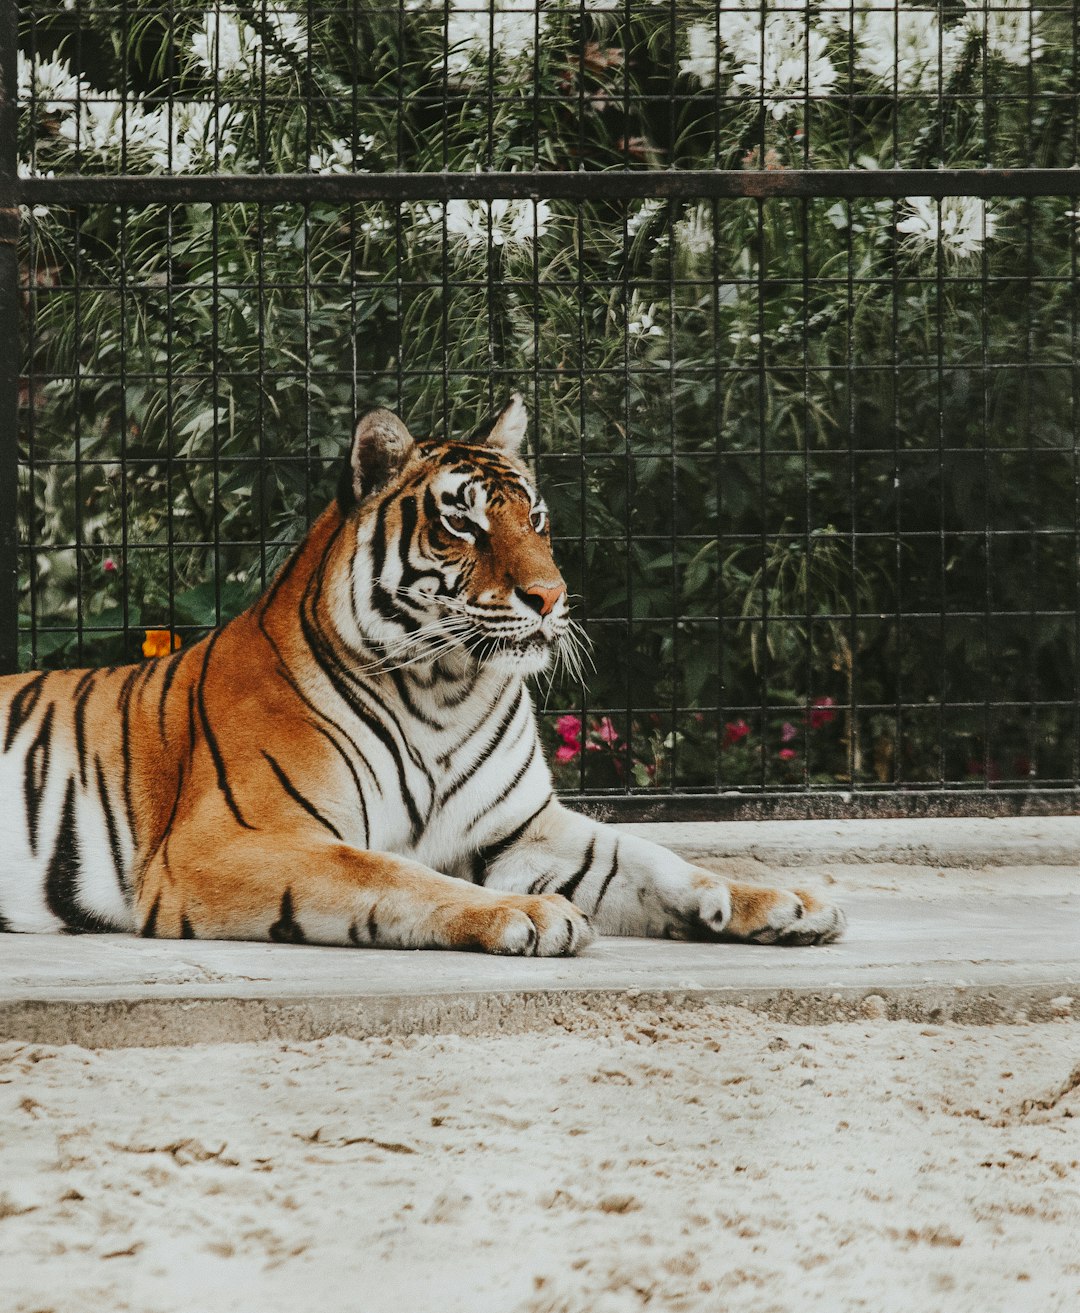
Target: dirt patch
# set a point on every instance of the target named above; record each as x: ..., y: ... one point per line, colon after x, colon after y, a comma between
x: 636, y: 1161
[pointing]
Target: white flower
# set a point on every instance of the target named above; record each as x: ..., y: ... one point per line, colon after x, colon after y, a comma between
x: 781, y: 58
x: 335, y: 157
x: 478, y: 30
x: 225, y: 44
x: 377, y: 226
x: 959, y: 223
x: 200, y: 136
x: 1009, y: 29
x: 48, y: 82
x: 473, y: 224
x: 27, y: 170
x: 646, y: 211
x: 694, y: 231
x: 907, y: 48
x: 106, y: 123
x: 701, y: 58
x: 641, y: 322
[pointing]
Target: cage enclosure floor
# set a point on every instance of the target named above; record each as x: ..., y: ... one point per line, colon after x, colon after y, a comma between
x: 968, y: 938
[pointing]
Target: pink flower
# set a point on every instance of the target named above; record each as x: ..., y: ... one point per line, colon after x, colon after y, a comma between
x: 787, y: 754
x: 109, y: 565
x: 788, y: 732
x: 568, y: 728
x: 821, y: 712
x: 734, y: 732
x: 567, y: 752
x: 606, y: 730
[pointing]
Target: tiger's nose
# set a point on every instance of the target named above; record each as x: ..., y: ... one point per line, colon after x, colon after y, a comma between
x: 542, y: 597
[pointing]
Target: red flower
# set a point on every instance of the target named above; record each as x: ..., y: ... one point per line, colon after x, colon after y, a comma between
x: 568, y: 728
x: 734, y: 732
x: 821, y: 713
x: 109, y: 565
x: 788, y: 732
x: 606, y: 730
x: 787, y: 754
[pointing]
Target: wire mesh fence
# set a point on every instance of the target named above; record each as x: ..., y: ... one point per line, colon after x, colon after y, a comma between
x: 791, y: 291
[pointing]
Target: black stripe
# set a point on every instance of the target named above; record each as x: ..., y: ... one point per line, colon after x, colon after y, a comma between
x: 36, y: 773
x: 372, y: 932
x: 186, y: 932
x: 111, y: 827
x: 463, y: 692
x: 294, y: 793
x: 123, y: 704
x: 286, y: 674
x: 283, y: 576
x: 381, y: 600
x: 286, y: 929
x: 83, y: 689
x: 62, y: 878
x: 495, y: 802
x: 166, y: 833
x: 607, y: 879
x: 21, y: 708
x: 496, y: 849
x: 405, y: 693
x: 569, y: 887
x: 211, y: 739
x: 150, y: 924
x: 485, y: 752
x: 172, y: 665
x: 333, y: 672
x: 348, y: 762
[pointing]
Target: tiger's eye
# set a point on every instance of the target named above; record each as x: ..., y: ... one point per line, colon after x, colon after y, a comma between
x: 538, y: 519
x: 457, y: 523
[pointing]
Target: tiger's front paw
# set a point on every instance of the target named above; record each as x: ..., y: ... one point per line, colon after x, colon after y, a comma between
x: 528, y: 925
x: 791, y: 917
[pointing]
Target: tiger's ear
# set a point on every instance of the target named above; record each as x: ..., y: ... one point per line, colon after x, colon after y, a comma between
x: 381, y: 446
x: 507, y: 429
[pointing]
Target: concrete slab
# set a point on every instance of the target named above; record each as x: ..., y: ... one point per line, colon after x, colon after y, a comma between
x: 967, y: 843
x: 1009, y: 957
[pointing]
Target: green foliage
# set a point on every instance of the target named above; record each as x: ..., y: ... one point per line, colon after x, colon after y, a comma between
x: 779, y: 439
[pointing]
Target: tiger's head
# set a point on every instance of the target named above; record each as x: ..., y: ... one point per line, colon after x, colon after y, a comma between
x: 453, y: 547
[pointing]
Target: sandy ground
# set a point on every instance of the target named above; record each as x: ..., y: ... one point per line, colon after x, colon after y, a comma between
x: 703, y: 1161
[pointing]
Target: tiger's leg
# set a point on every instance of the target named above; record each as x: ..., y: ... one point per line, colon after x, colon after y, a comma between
x: 292, y: 889
x: 629, y: 886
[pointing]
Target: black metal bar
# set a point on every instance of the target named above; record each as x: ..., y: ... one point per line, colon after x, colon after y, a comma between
x: 9, y: 343
x: 614, y: 184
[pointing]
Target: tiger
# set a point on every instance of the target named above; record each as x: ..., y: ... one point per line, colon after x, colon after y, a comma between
x: 355, y: 759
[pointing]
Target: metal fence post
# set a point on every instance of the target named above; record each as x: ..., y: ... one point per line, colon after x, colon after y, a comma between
x: 9, y: 339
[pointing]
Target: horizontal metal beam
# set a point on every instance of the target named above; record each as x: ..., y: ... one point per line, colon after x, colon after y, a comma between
x: 688, y: 184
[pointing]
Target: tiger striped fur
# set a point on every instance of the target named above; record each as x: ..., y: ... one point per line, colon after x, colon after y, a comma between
x: 355, y: 759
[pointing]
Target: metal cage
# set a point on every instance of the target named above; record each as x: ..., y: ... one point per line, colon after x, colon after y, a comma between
x: 791, y: 290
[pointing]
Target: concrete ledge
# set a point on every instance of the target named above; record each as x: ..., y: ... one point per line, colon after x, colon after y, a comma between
x: 967, y: 843
x: 968, y: 957
x: 115, y: 1023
